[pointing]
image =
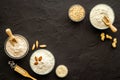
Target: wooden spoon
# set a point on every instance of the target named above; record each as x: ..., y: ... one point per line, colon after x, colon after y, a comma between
x: 108, y: 23
x: 9, y: 33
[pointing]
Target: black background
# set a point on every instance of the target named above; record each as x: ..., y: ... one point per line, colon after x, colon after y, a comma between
x: 76, y: 45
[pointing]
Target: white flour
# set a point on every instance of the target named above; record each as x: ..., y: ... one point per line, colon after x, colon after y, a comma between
x: 98, y: 12
x: 45, y: 65
x: 19, y: 49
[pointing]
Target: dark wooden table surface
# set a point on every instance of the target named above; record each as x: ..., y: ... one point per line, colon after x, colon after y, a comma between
x: 76, y: 45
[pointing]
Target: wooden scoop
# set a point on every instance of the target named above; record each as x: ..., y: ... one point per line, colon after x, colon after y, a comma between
x: 108, y: 23
x: 9, y: 33
x: 23, y: 72
x: 20, y: 70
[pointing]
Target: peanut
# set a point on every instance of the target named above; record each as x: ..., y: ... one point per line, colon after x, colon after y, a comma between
x: 114, y: 43
x: 102, y: 35
x: 43, y: 46
x: 33, y: 47
x: 37, y: 43
x: 108, y: 36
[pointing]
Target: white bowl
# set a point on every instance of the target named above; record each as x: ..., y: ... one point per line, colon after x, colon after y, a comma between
x: 98, y: 12
x: 19, y: 50
x: 44, y: 66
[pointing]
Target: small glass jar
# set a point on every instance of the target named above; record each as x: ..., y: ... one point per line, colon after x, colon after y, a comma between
x: 98, y: 12
x: 76, y: 13
x: 16, y: 50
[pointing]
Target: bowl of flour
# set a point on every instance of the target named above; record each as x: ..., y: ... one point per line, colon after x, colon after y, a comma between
x: 98, y: 12
x: 16, y: 50
x: 45, y: 65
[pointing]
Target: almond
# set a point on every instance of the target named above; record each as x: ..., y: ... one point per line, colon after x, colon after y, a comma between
x: 40, y: 58
x: 36, y: 63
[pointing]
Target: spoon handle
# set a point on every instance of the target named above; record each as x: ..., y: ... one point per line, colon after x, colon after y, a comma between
x: 9, y: 33
x: 23, y: 72
x: 32, y: 78
x: 113, y: 28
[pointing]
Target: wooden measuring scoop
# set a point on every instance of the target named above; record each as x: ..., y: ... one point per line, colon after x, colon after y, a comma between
x: 23, y: 72
x: 109, y: 24
x: 12, y: 37
x: 20, y: 70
